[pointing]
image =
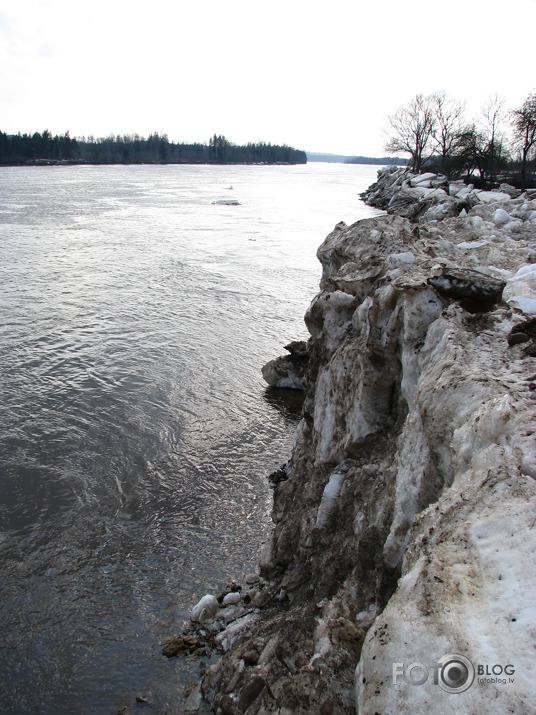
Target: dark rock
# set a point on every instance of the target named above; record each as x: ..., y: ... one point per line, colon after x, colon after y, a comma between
x: 527, y: 326
x: 227, y: 706
x: 173, y: 647
x: 465, y: 283
x: 516, y: 338
x: 191, y: 641
x: 250, y: 692
x: 251, y: 657
x: 297, y: 348
x: 280, y: 475
x: 524, y: 332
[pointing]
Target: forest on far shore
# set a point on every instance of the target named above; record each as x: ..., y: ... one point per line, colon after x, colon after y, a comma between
x: 43, y: 148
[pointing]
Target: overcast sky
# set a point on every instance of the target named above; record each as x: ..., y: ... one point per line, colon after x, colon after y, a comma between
x: 320, y: 76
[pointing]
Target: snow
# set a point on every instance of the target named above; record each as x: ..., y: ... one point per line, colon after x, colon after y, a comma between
x: 472, y: 593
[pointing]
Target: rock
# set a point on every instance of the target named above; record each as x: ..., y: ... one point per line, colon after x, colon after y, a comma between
x: 181, y: 645
x: 517, y: 338
x: 250, y: 692
x: 205, y: 610
x: 466, y: 283
x: 252, y: 578
x: 192, y: 641
x: 251, y: 657
x: 280, y: 475
x: 298, y: 348
x: 173, y: 647
x: 523, y: 333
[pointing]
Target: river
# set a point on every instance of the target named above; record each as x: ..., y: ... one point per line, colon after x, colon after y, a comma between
x: 136, y: 433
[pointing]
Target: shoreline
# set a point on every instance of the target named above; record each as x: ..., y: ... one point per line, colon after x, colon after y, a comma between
x: 413, y: 461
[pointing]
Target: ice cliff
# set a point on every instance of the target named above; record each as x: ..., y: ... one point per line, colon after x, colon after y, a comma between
x: 405, y: 519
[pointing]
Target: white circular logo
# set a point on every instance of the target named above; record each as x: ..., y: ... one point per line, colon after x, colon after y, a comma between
x: 456, y: 673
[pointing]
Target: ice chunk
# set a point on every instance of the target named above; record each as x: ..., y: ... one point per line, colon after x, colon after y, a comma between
x: 520, y: 291
x: 328, y: 503
x: 501, y: 217
x: 401, y: 259
x: 473, y: 244
x: 423, y: 180
x: 205, y: 609
x: 490, y: 197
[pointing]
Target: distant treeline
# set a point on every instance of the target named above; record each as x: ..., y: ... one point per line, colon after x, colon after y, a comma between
x: 17, y: 149
x: 343, y: 159
x: 384, y: 160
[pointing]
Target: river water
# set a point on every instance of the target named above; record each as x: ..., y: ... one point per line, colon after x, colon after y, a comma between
x: 136, y: 433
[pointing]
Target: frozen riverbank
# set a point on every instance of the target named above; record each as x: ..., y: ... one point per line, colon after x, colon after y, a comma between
x: 404, y: 520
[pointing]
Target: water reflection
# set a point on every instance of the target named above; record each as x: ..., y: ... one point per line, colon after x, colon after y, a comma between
x: 288, y: 402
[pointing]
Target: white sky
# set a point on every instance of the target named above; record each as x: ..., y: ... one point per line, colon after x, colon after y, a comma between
x: 320, y: 76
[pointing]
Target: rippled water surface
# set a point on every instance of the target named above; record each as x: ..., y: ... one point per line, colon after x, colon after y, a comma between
x: 136, y: 433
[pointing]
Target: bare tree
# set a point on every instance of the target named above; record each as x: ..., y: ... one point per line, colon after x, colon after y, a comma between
x: 524, y: 124
x: 492, y: 120
x: 410, y: 129
x: 449, y: 128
